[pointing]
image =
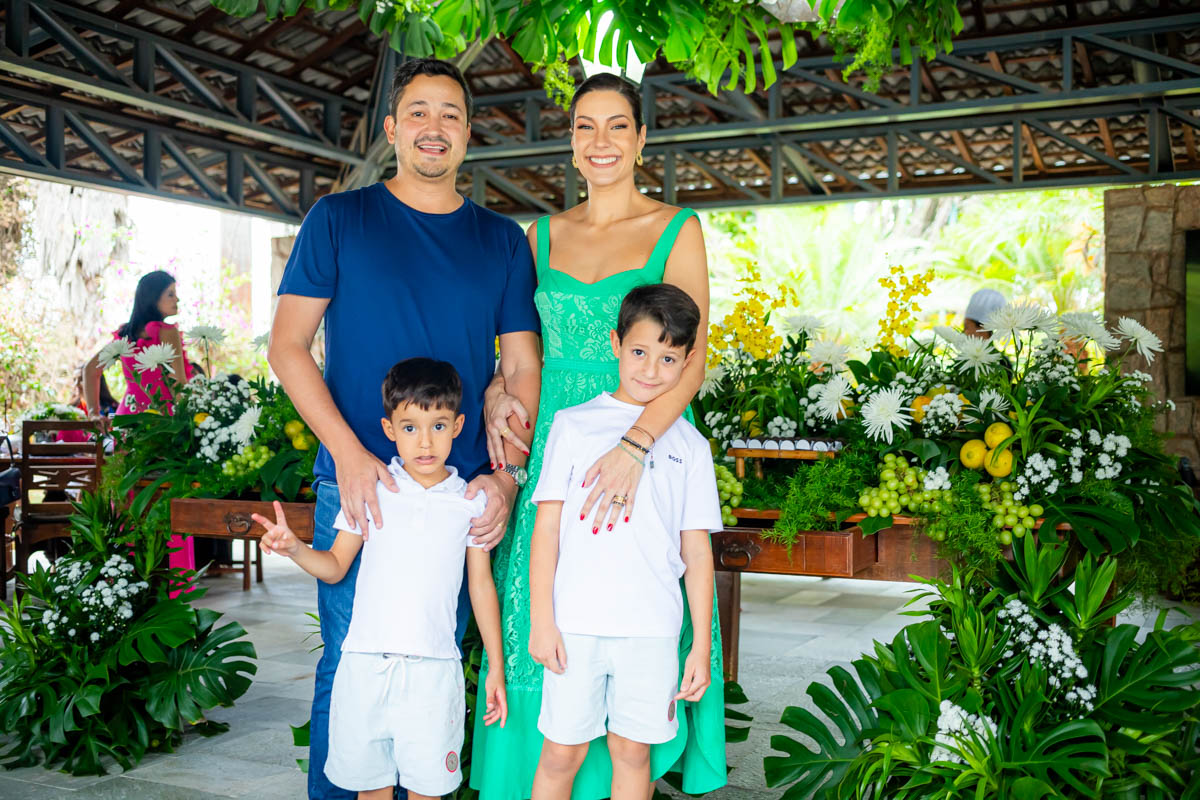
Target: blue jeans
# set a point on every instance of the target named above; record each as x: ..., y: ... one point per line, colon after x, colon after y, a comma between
x: 335, y: 601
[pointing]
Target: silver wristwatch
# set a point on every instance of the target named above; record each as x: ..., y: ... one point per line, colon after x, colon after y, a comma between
x: 518, y: 474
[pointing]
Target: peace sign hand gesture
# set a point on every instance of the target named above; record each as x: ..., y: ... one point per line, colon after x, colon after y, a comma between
x: 279, y: 537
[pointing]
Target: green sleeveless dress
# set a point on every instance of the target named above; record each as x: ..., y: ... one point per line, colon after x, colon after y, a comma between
x: 576, y: 319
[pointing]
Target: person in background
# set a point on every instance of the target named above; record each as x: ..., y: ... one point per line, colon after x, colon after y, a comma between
x: 153, y: 301
x: 979, y: 307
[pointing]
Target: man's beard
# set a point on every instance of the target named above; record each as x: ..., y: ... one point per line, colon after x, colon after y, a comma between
x: 430, y: 171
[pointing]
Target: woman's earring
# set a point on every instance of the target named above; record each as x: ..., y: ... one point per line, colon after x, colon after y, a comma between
x: 638, y: 160
x: 574, y: 163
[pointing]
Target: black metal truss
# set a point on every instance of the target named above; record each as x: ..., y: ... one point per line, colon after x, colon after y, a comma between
x: 126, y: 109
x: 1004, y: 131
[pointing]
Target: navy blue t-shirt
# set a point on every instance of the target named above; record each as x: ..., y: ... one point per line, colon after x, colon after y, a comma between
x: 402, y: 283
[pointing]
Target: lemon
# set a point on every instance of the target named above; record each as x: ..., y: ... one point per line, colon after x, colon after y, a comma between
x: 918, y: 407
x: 198, y: 418
x: 996, y: 433
x: 971, y: 454
x: 935, y: 391
x: 293, y: 428
x: 300, y: 442
x: 998, y: 464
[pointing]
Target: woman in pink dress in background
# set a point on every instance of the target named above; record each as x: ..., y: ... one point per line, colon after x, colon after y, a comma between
x: 153, y: 302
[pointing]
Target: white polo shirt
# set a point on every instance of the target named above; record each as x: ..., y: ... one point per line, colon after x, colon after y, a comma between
x: 625, y: 582
x: 406, y: 595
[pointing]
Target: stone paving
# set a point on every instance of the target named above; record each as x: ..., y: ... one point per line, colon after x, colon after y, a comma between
x: 793, y: 629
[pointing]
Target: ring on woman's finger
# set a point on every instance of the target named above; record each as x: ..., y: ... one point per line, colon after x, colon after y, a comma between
x: 618, y: 500
x: 505, y: 432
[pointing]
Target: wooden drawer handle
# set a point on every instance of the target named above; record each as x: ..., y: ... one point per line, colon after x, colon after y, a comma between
x: 736, y: 556
x: 238, y: 523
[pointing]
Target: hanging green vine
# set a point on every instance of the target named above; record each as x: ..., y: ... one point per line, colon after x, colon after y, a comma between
x: 722, y: 43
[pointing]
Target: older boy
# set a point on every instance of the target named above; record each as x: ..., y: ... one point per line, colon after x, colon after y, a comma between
x: 606, y: 607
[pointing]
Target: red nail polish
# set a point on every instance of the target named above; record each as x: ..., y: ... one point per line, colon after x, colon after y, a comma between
x: 627, y: 519
x: 526, y: 426
x: 595, y: 531
x: 610, y: 526
x: 493, y: 464
x: 581, y: 517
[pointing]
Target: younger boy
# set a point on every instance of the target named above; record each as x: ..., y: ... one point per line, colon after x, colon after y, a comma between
x: 398, y: 702
x: 605, y: 606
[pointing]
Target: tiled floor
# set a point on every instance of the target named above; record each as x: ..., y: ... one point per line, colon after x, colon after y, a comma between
x: 793, y: 629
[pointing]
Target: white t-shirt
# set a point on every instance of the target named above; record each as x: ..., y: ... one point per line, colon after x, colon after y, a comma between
x: 406, y: 595
x: 625, y: 582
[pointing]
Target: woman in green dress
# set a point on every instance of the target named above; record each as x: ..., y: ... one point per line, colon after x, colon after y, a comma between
x: 587, y: 260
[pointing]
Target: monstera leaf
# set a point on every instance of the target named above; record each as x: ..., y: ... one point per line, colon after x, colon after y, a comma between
x: 1146, y: 686
x: 204, y: 673
x: 818, y: 773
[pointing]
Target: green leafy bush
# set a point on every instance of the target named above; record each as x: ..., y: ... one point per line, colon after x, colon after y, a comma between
x: 98, y: 661
x: 1014, y: 687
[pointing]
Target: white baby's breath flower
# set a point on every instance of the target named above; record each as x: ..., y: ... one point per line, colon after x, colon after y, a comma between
x: 155, y: 356
x: 1142, y: 338
x: 829, y: 352
x: 113, y: 352
x: 976, y: 355
x: 206, y: 334
x: 886, y: 411
x: 831, y: 398
x: 1087, y: 326
x: 1012, y: 319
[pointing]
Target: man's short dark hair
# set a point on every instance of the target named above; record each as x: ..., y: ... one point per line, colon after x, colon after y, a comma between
x: 671, y: 307
x: 433, y: 67
x: 423, y: 382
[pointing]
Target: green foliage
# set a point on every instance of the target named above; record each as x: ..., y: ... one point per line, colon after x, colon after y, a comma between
x: 769, y: 491
x: 970, y: 534
x: 821, y: 495
x: 710, y: 39
x: 974, y: 702
x: 72, y: 697
x: 20, y: 375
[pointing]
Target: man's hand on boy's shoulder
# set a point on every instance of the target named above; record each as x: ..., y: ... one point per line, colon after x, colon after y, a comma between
x: 501, y: 490
x: 358, y: 477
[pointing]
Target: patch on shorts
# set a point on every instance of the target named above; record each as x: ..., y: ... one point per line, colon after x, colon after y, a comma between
x: 671, y: 711
x: 451, y: 761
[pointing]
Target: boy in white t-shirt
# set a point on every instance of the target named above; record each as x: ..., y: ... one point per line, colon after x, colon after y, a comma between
x: 605, y: 606
x: 396, y: 715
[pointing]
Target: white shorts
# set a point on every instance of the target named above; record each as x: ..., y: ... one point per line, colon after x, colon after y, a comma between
x: 396, y: 718
x: 632, y: 681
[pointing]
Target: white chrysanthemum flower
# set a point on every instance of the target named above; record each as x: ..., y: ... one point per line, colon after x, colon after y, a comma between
x: 261, y: 341
x: 154, y: 357
x: 1012, y: 319
x: 804, y: 323
x: 976, y: 355
x: 886, y: 411
x: 243, y: 429
x: 206, y: 334
x: 991, y: 400
x: 712, y: 379
x: 954, y: 337
x: 829, y: 352
x: 113, y: 352
x: 1087, y: 326
x: 832, y: 397
x: 1146, y: 342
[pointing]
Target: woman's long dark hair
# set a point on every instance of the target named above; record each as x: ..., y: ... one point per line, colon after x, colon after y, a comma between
x: 150, y: 289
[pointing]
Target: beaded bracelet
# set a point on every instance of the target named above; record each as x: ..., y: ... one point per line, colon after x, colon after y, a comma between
x: 644, y: 450
x: 632, y: 455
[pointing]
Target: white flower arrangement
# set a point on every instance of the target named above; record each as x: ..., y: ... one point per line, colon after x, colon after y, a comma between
x: 975, y: 355
x: 1012, y: 319
x: 942, y: 414
x: 937, y: 480
x: 830, y: 398
x: 1039, y: 477
x: 782, y: 428
x: 886, y: 411
x: 106, y: 605
x: 227, y: 424
x: 1054, y: 649
x: 154, y: 356
x: 958, y: 729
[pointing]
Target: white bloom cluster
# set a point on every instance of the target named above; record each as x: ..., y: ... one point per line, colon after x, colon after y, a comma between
x: 1105, y: 451
x: 105, y: 606
x: 1143, y: 377
x: 1053, y: 366
x: 941, y: 415
x: 723, y: 427
x: 782, y: 428
x: 958, y: 728
x: 1038, y: 478
x: 1052, y: 646
x: 811, y: 409
x: 937, y: 480
x: 230, y: 417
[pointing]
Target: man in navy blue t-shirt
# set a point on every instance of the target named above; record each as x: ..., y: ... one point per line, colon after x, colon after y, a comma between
x: 403, y: 268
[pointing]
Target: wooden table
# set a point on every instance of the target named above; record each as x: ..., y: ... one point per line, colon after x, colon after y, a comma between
x: 230, y: 519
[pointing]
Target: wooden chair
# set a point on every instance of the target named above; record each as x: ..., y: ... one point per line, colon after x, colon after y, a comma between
x: 53, y: 467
